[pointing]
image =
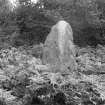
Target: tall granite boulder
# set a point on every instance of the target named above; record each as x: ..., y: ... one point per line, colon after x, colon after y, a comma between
x: 59, y: 49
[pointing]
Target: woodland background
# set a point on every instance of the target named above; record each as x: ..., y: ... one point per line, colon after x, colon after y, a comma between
x: 30, y: 23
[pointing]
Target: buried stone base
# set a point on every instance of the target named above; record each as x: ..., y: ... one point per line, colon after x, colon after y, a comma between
x: 59, y: 49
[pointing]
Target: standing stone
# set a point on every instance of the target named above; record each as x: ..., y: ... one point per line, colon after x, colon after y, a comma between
x: 59, y: 49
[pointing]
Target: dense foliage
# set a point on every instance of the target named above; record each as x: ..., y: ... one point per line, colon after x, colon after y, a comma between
x: 33, y: 22
x: 24, y: 80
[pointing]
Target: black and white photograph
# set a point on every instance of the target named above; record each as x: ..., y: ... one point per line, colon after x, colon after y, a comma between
x: 52, y: 52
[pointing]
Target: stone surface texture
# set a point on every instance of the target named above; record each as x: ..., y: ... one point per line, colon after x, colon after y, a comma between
x: 59, y: 49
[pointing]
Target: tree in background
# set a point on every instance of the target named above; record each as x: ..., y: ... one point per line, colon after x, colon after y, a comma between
x: 87, y: 18
x: 34, y: 21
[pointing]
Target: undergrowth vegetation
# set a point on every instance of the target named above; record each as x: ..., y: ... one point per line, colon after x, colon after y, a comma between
x: 24, y: 80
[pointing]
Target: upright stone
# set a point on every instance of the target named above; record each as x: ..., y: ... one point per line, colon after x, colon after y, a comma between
x: 59, y: 48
